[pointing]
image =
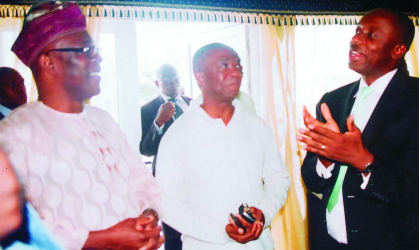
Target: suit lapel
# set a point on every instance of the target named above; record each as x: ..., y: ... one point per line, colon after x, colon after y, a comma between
x: 159, y: 101
x: 388, y: 106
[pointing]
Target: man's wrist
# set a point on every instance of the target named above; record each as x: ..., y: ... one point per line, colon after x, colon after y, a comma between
x: 158, y: 123
x: 364, y: 161
x: 97, y: 240
x: 368, y: 168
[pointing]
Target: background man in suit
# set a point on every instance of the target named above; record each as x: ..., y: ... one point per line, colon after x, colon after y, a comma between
x: 156, y: 117
x: 12, y: 91
x: 363, y: 149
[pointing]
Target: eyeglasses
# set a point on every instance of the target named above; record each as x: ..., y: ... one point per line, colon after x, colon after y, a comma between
x: 91, y: 52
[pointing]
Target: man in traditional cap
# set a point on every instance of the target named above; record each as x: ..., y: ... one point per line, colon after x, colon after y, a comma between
x: 74, y: 161
x: 217, y: 156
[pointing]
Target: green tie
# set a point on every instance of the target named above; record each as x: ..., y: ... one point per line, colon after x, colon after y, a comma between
x: 359, y: 117
x: 178, y: 110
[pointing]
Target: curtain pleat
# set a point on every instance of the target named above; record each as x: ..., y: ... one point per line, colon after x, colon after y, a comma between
x: 274, y: 92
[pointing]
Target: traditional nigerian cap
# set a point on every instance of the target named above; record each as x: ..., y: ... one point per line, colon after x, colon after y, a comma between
x: 45, y: 23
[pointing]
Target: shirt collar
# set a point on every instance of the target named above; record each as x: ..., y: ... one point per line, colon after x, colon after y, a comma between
x: 203, y: 113
x: 5, y: 111
x: 55, y: 112
x: 166, y: 98
x: 379, y: 85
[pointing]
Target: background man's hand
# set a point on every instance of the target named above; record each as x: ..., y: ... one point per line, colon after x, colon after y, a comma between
x: 11, y: 201
x: 130, y: 234
x: 253, y: 231
x: 166, y: 111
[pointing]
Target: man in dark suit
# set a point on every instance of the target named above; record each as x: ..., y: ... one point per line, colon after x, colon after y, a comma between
x: 363, y: 148
x: 12, y: 91
x: 156, y: 117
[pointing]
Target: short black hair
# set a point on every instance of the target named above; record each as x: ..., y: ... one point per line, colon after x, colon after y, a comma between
x: 407, y: 27
x: 164, y: 67
x: 404, y: 24
x: 201, y: 54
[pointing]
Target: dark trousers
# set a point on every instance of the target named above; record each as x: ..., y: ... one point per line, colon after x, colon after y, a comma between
x: 172, y: 238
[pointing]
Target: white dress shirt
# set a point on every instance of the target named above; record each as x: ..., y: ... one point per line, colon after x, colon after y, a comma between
x: 336, y: 222
x: 206, y: 170
x: 181, y: 103
x: 77, y: 169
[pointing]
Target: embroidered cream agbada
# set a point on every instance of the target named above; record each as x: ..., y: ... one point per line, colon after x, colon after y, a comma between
x: 77, y: 170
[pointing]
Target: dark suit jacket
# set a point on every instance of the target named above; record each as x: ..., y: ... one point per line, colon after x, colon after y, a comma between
x: 386, y: 214
x: 150, y: 139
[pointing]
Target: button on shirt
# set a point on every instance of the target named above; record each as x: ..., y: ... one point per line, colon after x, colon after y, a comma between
x: 336, y: 222
x: 179, y: 101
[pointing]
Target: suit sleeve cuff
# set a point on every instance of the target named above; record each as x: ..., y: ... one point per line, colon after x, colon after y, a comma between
x: 365, y: 181
x: 159, y: 130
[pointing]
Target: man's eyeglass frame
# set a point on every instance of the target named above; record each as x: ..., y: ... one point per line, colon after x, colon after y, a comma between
x: 91, y: 51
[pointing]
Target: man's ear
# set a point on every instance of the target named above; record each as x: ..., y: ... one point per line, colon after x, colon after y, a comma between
x: 399, y: 51
x: 46, y: 63
x: 157, y: 83
x: 199, y: 77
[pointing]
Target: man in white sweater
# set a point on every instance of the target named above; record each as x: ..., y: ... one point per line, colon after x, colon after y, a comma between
x: 217, y: 156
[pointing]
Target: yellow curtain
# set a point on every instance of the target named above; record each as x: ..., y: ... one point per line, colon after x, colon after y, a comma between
x: 273, y: 89
x: 412, y: 57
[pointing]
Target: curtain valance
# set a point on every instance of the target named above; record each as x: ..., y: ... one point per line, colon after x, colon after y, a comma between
x: 193, y: 15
